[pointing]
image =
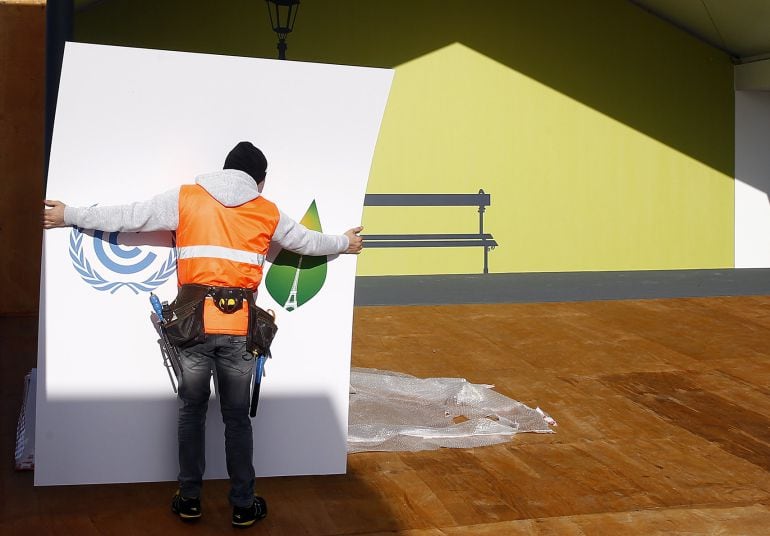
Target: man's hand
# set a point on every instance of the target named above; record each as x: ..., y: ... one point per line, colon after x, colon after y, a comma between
x: 54, y: 215
x: 355, y: 242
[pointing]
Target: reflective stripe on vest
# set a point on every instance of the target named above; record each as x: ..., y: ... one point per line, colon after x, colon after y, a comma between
x: 224, y: 247
x: 220, y: 252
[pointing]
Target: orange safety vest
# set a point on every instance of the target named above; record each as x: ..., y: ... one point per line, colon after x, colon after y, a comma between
x: 223, y: 247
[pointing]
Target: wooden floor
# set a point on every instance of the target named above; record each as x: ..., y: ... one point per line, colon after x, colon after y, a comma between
x: 664, y: 427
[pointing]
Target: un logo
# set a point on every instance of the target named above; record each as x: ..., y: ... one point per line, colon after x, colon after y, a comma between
x: 108, y: 265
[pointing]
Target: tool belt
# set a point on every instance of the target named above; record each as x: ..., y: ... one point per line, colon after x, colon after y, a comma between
x: 184, y: 316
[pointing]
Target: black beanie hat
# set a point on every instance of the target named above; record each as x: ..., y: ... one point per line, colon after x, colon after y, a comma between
x: 248, y: 159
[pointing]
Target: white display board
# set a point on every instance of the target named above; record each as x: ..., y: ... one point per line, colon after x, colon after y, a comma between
x: 131, y: 123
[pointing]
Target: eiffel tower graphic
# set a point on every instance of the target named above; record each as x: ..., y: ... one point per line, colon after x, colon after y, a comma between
x: 291, y: 301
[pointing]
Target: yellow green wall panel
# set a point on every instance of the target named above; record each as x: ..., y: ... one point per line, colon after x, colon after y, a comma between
x: 572, y: 189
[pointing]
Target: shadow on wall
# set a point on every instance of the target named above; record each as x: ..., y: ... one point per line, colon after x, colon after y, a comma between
x: 611, y: 56
x: 133, y: 438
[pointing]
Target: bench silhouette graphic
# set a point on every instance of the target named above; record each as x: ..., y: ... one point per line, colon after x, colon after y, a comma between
x: 481, y: 239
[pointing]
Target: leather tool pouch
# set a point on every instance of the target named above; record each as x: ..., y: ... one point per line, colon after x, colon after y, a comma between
x: 262, y: 330
x: 184, y: 323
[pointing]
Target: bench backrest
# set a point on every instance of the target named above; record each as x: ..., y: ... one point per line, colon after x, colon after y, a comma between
x: 428, y: 200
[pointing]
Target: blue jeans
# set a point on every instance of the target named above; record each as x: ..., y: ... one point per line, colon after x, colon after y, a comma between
x: 234, y: 368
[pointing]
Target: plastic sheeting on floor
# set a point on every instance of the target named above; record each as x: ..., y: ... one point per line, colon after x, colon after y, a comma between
x: 390, y: 411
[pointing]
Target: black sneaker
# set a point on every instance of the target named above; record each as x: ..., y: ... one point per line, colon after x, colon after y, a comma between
x: 246, y: 517
x: 188, y: 508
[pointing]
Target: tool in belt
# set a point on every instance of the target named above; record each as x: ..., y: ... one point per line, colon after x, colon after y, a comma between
x: 169, y: 351
x: 181, y: 326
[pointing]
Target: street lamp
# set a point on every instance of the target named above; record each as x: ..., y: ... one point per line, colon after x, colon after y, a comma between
x: 283, y: 13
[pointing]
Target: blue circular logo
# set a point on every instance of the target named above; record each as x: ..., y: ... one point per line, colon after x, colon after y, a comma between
x: 132, y: 268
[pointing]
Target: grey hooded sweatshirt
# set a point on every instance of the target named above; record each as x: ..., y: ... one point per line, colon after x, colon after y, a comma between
x: 231, y: 187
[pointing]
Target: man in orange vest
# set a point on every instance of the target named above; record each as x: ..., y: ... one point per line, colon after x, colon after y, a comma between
x: 224, y: 228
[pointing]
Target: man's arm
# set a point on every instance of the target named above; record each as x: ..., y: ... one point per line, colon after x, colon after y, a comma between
x: 161, y: 213
x: 297, y: 238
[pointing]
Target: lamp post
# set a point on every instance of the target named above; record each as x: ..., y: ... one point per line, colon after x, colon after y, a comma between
x: 283, y: 13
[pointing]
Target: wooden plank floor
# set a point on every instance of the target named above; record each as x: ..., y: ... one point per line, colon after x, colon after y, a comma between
x: 664, y: 428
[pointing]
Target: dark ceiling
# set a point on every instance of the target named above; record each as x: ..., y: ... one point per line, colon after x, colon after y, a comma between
x: 740, y: 28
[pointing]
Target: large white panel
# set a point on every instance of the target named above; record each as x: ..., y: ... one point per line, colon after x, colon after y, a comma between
x: 131, y: 123
x: 752, y: 179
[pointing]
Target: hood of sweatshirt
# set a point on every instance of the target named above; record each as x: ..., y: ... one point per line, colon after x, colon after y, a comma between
x: 231, y: 187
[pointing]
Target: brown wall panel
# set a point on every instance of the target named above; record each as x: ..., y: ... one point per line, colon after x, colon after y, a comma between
x: 22, y: 80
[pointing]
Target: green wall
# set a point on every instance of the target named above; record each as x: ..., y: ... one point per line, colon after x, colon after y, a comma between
x: 604, y: 135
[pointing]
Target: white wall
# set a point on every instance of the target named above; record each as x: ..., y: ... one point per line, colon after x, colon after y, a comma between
x: 752, y: 179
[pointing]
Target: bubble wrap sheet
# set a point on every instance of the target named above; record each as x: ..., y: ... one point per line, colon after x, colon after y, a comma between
x: 390, y: 411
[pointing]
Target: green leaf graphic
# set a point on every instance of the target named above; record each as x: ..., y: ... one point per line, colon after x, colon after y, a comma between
x: 293, y: 279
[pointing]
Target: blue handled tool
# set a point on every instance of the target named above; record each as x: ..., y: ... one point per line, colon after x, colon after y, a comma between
x: 155, y: 301
x: 170, y: 353
x: 257, y: 383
